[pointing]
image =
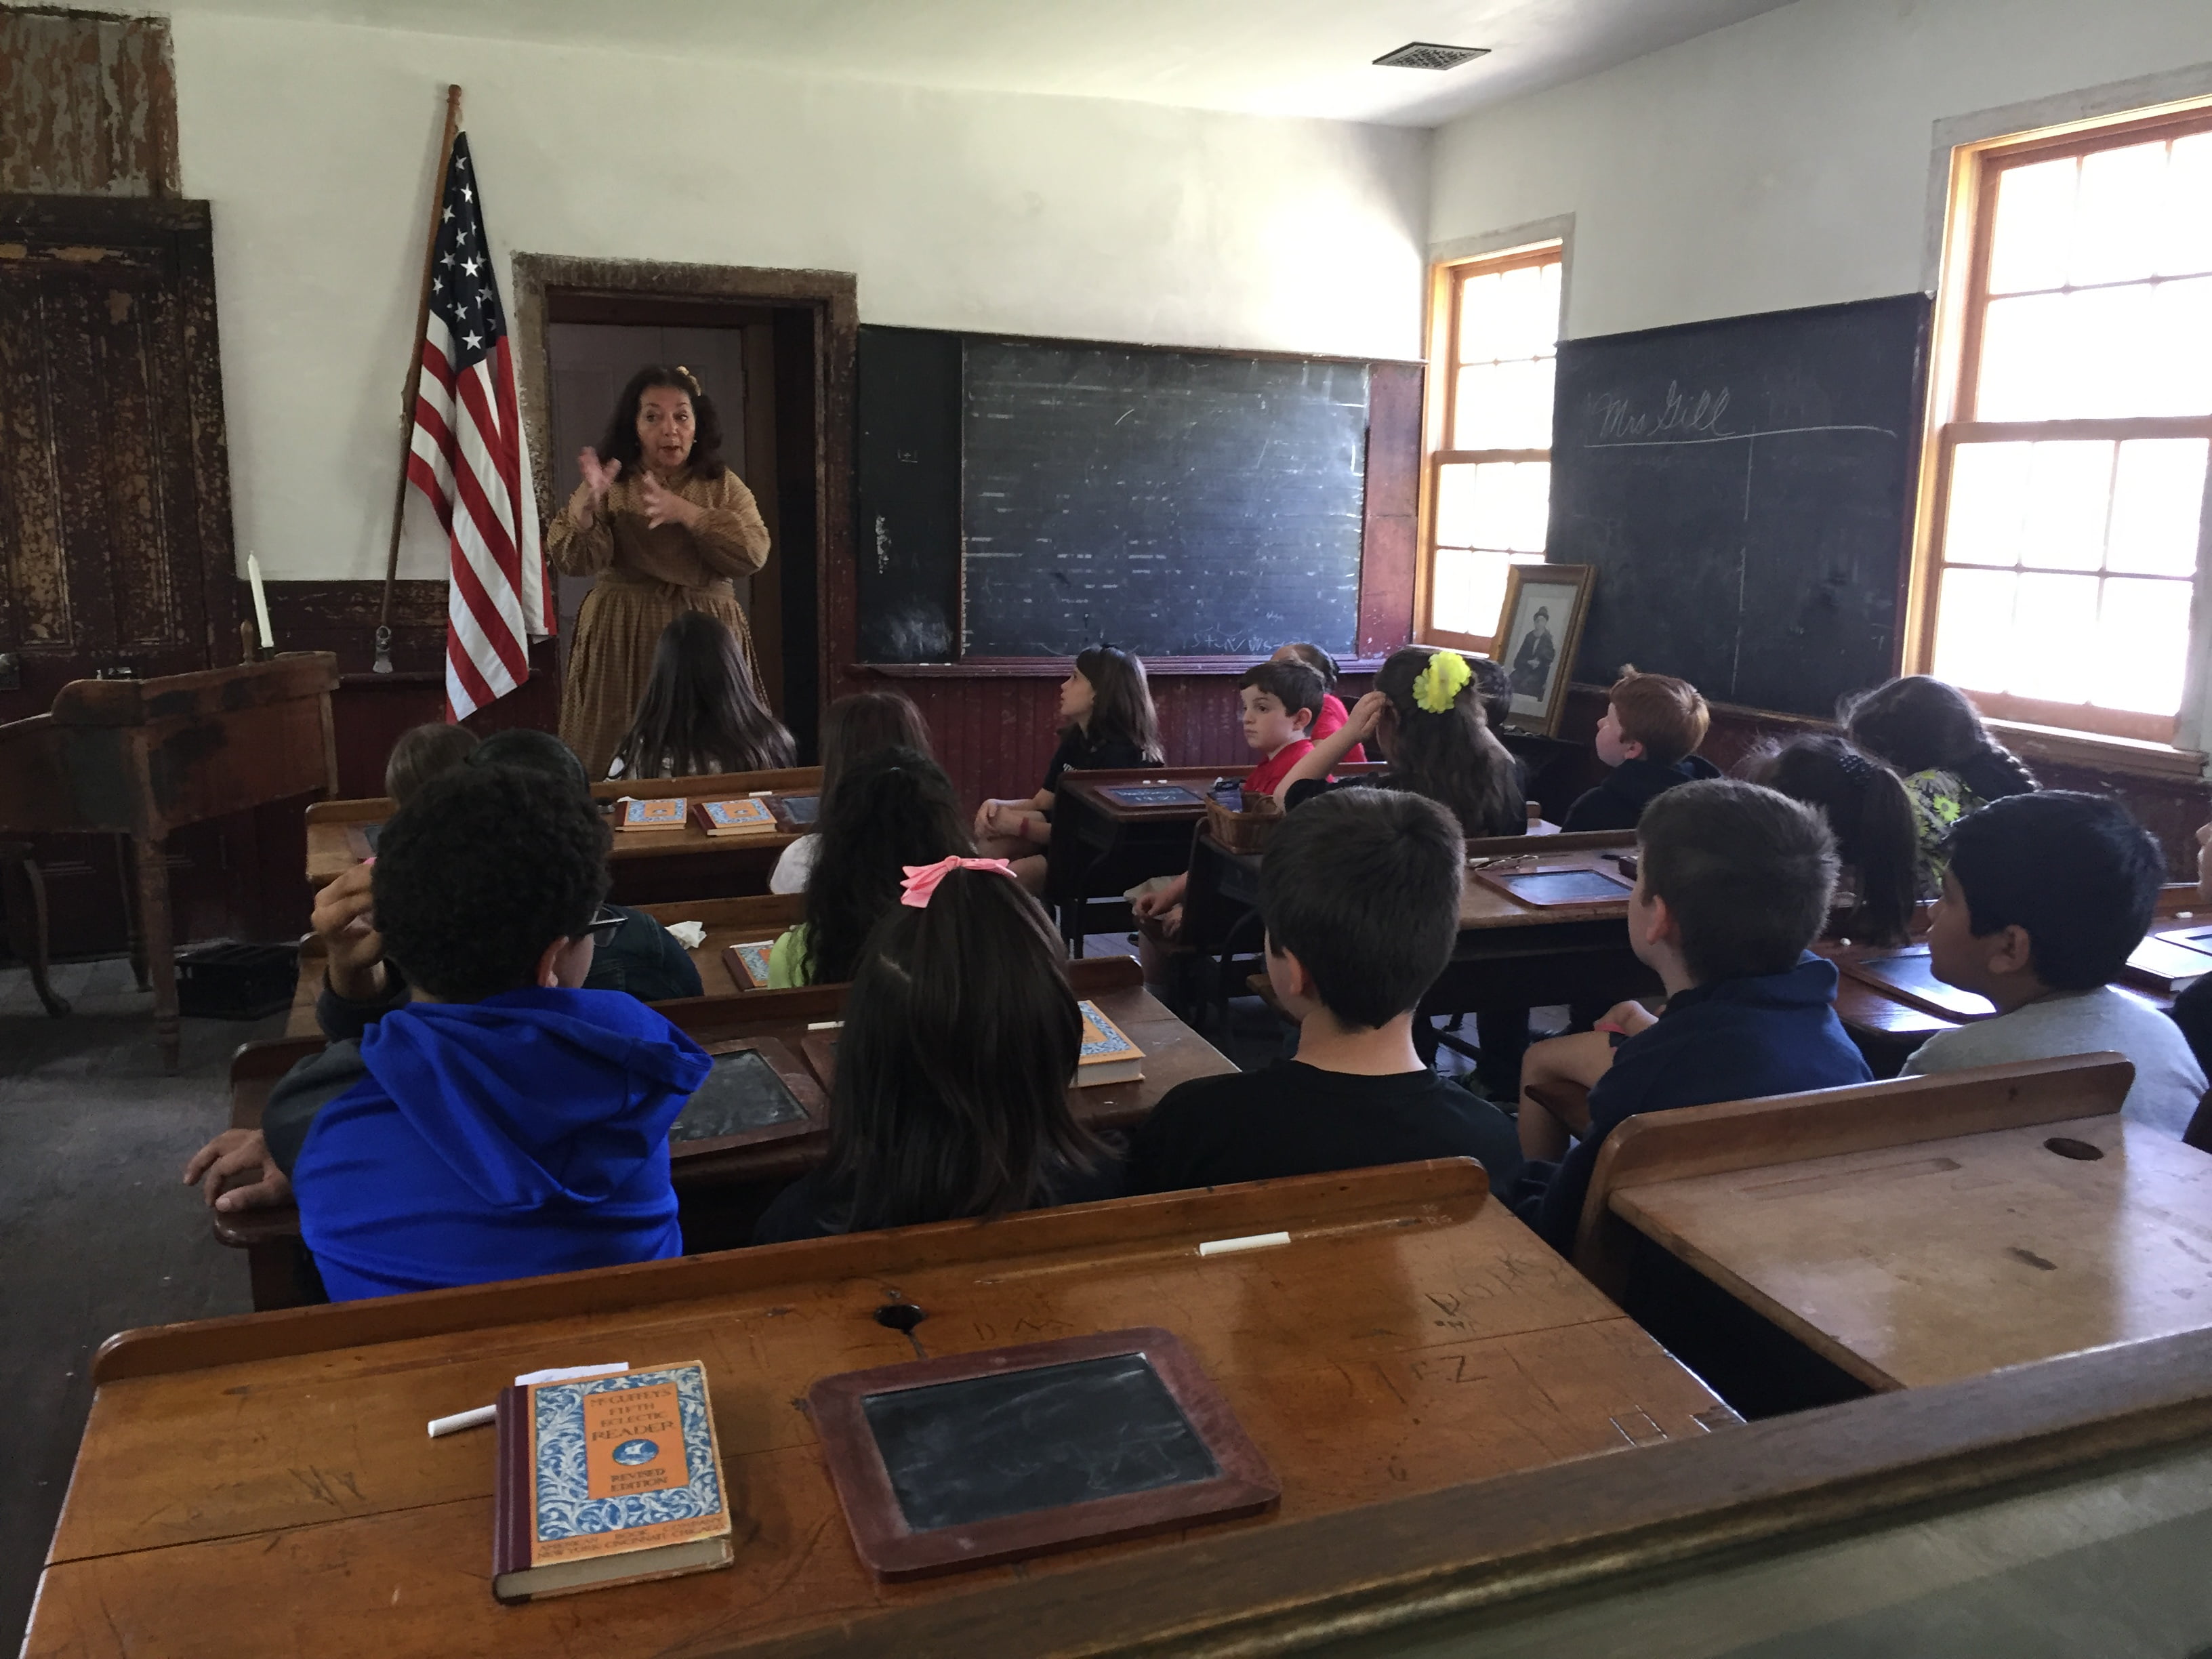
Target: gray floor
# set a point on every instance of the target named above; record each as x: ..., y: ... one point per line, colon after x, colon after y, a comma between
x: 97, y: 1234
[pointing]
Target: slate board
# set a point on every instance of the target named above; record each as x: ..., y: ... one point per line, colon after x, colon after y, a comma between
x: 1744, y: 489
x: 741, y: 1093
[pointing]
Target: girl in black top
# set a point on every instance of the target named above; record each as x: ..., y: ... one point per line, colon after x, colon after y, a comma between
x: 1426, y: 715
x: 1107, y: 720
x: 960, y: 1041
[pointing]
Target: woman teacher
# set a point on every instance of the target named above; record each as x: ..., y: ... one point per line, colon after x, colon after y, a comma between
x: 665, y: 525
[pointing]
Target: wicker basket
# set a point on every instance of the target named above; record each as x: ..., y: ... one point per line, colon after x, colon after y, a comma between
x: 1247, y: 831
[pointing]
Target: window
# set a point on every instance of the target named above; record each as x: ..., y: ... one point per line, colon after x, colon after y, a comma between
x: 1495, y: 330
x: 2063, y: 510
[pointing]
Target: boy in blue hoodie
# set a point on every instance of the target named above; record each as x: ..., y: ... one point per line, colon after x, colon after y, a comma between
x: 1733, y: 881
x: 504, y: 1122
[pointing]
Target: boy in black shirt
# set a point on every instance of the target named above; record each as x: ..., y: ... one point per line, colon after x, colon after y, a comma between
x: 1360, y: 895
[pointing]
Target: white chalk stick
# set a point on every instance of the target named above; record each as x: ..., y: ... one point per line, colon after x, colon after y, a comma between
x: 459, y: 1420
x: 480, y: 1415
x: 1255, y: 1242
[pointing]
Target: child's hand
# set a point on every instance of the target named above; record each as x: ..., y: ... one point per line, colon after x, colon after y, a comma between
x: 344, y: 919
x: 1366, y: 714
x: 1627, y: 1018
x: 987, y: 819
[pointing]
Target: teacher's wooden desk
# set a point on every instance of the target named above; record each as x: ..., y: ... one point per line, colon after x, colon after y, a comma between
x: 723, y: 1193
x: 262, y: 1484
x: 648, y: 864
x: 2045, y: 1226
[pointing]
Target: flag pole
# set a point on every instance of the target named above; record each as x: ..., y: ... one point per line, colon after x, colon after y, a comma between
x: 383, y: 664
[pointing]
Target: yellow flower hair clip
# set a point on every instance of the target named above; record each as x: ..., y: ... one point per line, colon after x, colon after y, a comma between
x: 1437, y: 687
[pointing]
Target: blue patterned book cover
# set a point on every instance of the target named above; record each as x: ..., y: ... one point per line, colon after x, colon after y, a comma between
x: 621, y: 1463
x: 1105, y: 1045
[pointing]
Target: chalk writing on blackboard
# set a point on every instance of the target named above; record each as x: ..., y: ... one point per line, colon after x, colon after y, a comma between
x: 1698, y: 420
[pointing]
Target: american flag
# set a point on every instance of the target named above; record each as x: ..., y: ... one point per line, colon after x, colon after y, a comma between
x: 467, y: 458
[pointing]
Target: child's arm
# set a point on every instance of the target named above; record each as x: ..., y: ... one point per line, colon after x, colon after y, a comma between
x: 1324, y: 756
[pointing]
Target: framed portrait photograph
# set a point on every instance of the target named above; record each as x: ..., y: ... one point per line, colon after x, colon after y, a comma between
x: 1542, y: 625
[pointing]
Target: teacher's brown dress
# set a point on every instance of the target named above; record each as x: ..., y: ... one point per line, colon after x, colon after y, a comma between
x: 647, y: 577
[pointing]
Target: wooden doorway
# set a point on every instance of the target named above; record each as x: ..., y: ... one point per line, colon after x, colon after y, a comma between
x: 786, y: 339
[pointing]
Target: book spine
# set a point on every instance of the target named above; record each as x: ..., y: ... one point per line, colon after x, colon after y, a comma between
x: 511, y: 1484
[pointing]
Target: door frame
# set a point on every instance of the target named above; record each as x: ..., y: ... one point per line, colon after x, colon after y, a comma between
x: 831, y: 297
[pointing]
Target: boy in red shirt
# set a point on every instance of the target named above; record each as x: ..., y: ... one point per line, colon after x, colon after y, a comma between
x: 1331, y: 714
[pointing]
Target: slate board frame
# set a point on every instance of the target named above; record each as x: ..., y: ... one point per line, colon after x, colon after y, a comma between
x: 907, y: 486
x: 1759, y: 469
x: 1246, y: 1484
x: 813, y: 1104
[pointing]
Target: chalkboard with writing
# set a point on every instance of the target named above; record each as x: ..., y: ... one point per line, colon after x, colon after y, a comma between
x: 1744, y: 489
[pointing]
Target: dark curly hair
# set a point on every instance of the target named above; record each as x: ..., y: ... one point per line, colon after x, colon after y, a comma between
x: 961, y: 1038
x: 1452, y: 757
x: 890, y: 809
x: 1918, y: 723
x: 482, y: 871
x: 620, y: 442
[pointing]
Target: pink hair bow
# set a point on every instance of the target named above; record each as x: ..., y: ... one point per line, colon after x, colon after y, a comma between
x: 921, y: 879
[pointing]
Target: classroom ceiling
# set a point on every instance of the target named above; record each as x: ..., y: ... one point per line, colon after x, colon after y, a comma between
x: 1310, y: 57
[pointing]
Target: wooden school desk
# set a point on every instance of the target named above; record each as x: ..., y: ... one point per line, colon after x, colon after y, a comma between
x: 1926, y: 1229
x: 648, y: 864
x: 262, y: 1484
x: 723, y: 1193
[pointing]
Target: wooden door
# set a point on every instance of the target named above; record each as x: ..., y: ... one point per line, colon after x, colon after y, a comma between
x: 115, y: 534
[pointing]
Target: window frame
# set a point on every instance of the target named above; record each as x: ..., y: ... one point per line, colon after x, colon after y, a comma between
x: 1446, y: 277
x: 1962, y: 304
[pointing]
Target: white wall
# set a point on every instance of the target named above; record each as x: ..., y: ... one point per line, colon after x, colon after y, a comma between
x: 1784, y: 161
x: 1036, y: 216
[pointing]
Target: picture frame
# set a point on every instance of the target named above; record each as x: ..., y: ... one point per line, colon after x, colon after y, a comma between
x: 1539, y: 629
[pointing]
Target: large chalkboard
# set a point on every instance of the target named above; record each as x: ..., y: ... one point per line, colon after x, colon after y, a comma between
x: 1026, y: 498
x: 1743, y: 489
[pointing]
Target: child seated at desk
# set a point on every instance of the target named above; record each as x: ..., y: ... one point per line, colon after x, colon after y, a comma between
x: 505, y: 1122
x: 892, y: 809
x: 960, y: 1041
x: 422, y: 753
x: 2192, y: 1009
x: 1732, y: 882
x: 1649, y: 736
x: 1426, y: 715
x: 1106, y: 704
x: 1359, y: 892
x: 2045, y: 896
x: 1926, y: 730
x: 1871, y: 818
x: 700, y: 714
x: 854, y: 727
x: 1331, y: 716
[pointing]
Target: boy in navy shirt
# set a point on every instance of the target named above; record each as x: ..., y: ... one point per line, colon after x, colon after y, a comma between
x: 1733, y: 881
x: 1652, y: 727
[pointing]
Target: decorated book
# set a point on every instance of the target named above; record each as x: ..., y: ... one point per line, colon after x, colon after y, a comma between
x: 1107, y: 1055
x: 607, y: 1480
x: 666, y: 813
x: 748, y: 963
x: 742, y: 816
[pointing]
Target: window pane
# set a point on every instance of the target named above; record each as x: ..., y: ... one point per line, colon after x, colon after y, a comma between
x: 2157, y: 505
x: 2021, y: 348
x: 1503, y: 406
x: 1455, y: 524
x: 2178, y: 380
x: 2144, y: 348
x: 1493, y: 504
x: 2068, y: 491
x: 2139, y: 645
x: 2034, y: 224
x: 2187, y: 215
x: 1988, y: 489
x: 2116, y: 221
x: 1477, y: 318
x: 2051, y: 621
x: 1467, y: 591
x: 1973, y: 628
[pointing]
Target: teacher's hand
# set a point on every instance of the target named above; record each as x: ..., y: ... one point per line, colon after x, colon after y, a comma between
x: 664, y: 505
x: 598, y: 475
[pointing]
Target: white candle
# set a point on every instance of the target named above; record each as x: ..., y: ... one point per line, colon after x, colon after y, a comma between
x: 260, y: 602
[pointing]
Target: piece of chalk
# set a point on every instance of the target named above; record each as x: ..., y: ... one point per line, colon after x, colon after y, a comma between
x: 826, y: 1025
x: 1255, y: 1242
x: 459, y: 1420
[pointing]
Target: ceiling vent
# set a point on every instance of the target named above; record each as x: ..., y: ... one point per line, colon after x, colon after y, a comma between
x: 1426, y: 54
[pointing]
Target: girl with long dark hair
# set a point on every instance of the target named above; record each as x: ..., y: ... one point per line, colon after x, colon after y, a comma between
x: 891, y: 809
x: 664, y: 527
x: 1867, y: 807
x: 1426, y: 713
x: 700, y: 714
x: 1934, y: 738
x: 960, y: 1041
x: 854, y: 727
x: 1107, y: 721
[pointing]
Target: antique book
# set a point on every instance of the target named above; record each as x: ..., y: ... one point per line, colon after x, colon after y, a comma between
x: 1107, y: 1055
x: 748, y: 963
x: 742, y: 816
x: 606, y: 1480
x: 666, y: 813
